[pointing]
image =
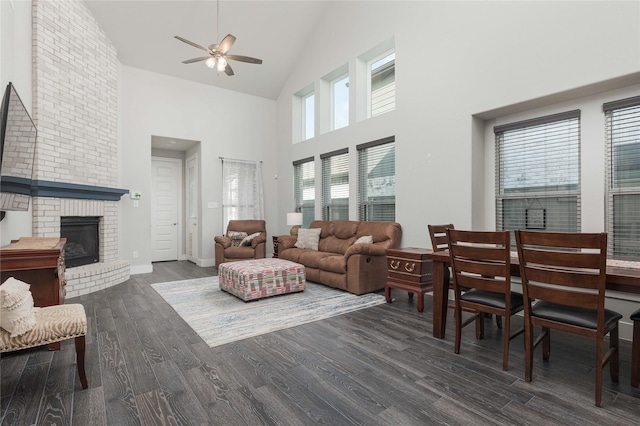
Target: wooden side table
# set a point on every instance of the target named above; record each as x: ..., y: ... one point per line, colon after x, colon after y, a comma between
x: 410, y: 270
x: 275, y: 246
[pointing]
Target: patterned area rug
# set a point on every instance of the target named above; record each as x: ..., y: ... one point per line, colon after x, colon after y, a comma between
x: 219, y: 317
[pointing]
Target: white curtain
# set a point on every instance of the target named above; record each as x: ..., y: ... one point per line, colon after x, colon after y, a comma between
x: 242, y: 192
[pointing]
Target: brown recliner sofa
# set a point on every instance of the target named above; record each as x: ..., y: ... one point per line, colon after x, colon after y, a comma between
x: 227, y: 252
x: 357, y: 268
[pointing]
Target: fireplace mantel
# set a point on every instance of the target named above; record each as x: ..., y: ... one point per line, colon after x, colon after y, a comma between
x: 45, y: 188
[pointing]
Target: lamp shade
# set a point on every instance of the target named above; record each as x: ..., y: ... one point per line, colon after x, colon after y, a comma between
x: 294, y: 219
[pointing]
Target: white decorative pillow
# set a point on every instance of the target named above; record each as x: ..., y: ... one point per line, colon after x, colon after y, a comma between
x: 246, y: 241
x: 236, y: 237
x: 17, y: 314
x: 366, y: 239
x: 308, y: 238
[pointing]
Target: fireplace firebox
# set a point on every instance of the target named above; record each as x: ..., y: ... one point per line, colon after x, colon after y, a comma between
x: 83, y: 244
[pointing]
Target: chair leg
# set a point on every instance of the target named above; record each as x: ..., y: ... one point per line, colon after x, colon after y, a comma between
x: 635, y: 355
x: 528, y: 350
x: 80, y: 348
x: 546, y: 343
x: 499, y: 321
x: 614, y: 361
x: 458, y: 315
x: 599, y: 366
x: 505, y: 345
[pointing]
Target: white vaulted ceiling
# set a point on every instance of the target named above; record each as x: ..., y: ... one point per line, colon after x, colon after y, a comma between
x: 274, y: 31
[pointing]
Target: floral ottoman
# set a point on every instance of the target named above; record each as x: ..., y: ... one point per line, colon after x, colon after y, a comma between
x: 258, y: 278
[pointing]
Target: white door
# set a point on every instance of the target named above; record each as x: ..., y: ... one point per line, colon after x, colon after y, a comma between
x: 165, y: 193
x: 192, y: 208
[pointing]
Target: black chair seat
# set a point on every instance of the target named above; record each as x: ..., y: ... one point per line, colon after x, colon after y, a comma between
x: 580, y: 317
x: 490, y: 298
x: 635, y: 316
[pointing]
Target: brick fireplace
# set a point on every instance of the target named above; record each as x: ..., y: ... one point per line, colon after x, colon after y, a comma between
x: 75, y: 109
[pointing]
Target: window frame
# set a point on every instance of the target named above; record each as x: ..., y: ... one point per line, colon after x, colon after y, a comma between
x: 370, y: 91
x: 299, y: 187
x: 305, y: 118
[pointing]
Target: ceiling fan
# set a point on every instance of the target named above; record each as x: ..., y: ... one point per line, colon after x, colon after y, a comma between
x: 218, y: 53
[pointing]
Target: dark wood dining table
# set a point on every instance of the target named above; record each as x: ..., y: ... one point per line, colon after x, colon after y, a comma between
x: 626, y: 280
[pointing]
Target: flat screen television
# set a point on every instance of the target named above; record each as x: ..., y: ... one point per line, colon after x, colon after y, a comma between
x: 17, y: 152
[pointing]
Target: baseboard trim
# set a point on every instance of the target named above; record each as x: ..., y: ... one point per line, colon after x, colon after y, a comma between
x: 141, y: 269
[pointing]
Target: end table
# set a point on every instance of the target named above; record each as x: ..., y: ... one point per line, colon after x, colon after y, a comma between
x: 410, y: 270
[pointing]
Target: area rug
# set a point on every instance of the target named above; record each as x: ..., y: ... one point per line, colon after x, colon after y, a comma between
x: 219, y: 317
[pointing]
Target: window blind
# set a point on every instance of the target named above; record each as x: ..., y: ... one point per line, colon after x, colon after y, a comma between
x: 377, y: 181
x: 304, y: 184
x: 335, y: 185
x: 622, y: 130
x: 538, y: 174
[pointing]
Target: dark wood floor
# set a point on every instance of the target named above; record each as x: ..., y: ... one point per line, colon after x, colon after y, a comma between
x: 377, y: 366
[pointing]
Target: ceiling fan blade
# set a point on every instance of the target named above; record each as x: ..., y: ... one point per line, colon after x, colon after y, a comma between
x: 226, y: 44
x: 244, y: 59
x: 228, y: 70
x: 184, y: 40
x: 202, y: 58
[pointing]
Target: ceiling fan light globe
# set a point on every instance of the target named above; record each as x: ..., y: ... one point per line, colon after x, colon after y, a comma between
x: 211, y: 62
x: 222, y: 64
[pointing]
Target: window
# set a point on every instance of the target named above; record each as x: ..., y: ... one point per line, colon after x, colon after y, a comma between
x: 335, y: 185
x: 309, y: 116
x: 304, y: 187
x: 377, y: 180
x: 242, y: 193
x: 538, y: 174
x: 383, y: 84
x: 622, y: 129
x: 340, y: 100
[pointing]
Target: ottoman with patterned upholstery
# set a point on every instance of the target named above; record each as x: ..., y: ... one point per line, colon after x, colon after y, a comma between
x: 258, y: 278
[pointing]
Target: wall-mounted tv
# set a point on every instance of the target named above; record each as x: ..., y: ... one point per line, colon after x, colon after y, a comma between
x: 17, y: 152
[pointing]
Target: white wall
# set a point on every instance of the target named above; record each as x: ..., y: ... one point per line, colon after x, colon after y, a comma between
x: 227, y: 123
x: 454, y: 60
x: 15, y: 67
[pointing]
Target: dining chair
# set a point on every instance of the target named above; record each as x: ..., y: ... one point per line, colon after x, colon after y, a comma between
x: 440, y: 242
x: 481, y: 264
x: 566, y: 274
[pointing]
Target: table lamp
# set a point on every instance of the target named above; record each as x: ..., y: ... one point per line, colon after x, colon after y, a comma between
x: 294, y: 220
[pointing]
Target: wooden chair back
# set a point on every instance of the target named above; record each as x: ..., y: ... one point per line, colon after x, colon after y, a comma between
x: 480, y: 260
x: 438, y: 235
x: 565, y: 268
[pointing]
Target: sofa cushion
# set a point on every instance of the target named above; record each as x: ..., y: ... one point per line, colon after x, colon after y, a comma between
x: 366, y: 239
x: 334, y: 244
x: 335, y: 263
x: 236, y: 237
x: 308, y: 238
x: 239, y: 252
x: 344, y: 229
x: 17, y: 315
x: 311, y: 258
x: 246, y: 241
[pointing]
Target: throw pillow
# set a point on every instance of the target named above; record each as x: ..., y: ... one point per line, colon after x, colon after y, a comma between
x: 308, y: 238
x: 236, y: 237
x: 246, y: 241
x: 17, y: 314
x: 366, y: 239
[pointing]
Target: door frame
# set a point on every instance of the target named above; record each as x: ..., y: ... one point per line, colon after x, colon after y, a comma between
x: 180, y: 255
x: 195, y: 257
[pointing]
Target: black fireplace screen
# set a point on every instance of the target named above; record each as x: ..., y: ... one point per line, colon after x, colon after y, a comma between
x: 82, y: 246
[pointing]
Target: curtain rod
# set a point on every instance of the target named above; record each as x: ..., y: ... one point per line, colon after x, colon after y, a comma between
x: 241, y: 161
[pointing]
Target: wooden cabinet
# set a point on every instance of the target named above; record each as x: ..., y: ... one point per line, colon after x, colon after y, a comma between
x: 409, y: 270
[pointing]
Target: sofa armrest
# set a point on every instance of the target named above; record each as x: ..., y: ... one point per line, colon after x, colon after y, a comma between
x: 365, y: 249
x: 286, y: 242
x: 258, y: 240
x: 225, y: 242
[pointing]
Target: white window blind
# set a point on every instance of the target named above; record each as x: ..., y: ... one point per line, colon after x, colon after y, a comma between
x: 538, y: 174
x: 335, y: 185
x: 304, y: 184
x: 377, y: 180
x: 383, y: 85
x: 622, y: 127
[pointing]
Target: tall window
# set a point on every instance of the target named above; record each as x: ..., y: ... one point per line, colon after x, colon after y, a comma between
x: 309, y: 116
x: 377, y: 180
x: 335, y: 185
x: 622, y: 125
x: 538, y: 174
x: 242, y: 193
x: 340, y: 100
x: 304, y: 186
x: 383, y: 84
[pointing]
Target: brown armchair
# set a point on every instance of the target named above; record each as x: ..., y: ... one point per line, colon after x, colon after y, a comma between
x: 229, y: 250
